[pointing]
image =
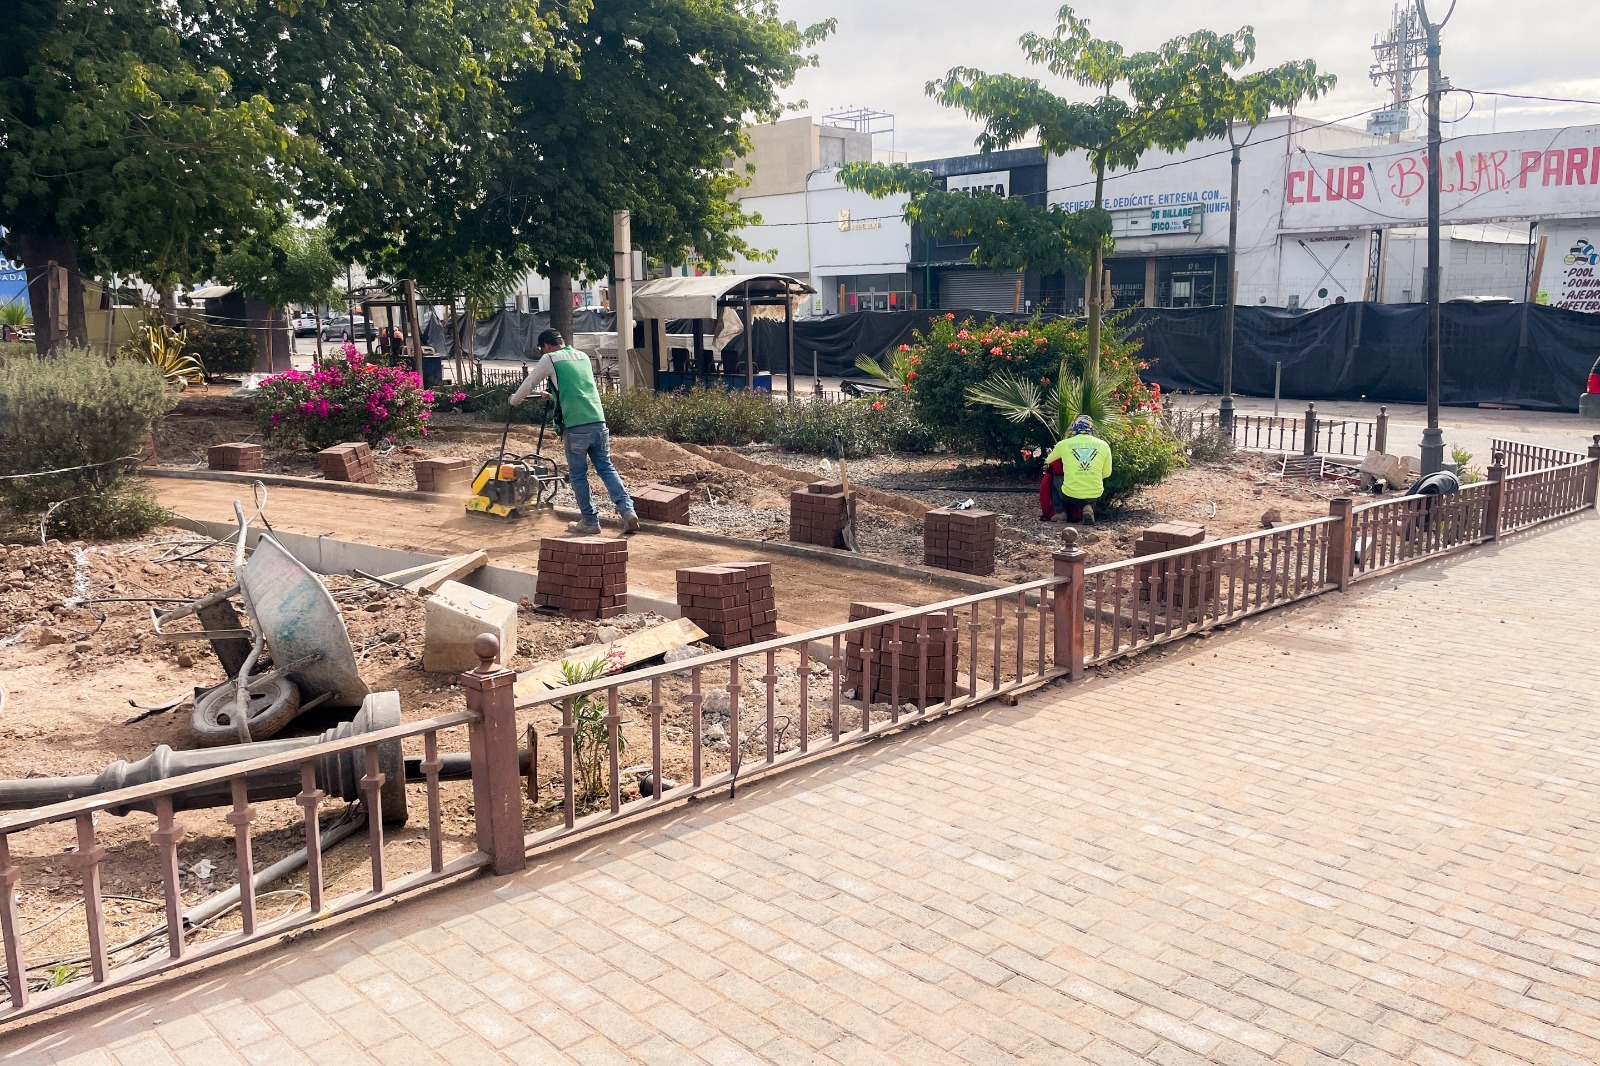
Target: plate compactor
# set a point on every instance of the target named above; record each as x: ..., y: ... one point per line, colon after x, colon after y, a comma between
x: 511, y: 485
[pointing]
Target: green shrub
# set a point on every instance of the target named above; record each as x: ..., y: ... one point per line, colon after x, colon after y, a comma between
x: 222, y: 350
x: 1144, y: 455
x: 1199, y: 434
x: 77, y: 410
x: 817, y: 425
x: 954, y: 356
x: 15, y: 350
x: 124, y: 510
x: 715, y: 416
x: 898, y: 426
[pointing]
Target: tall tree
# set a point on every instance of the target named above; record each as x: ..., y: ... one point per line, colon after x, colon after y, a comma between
x: 121, y: 151
x: 649, y: 123
x: 1234, y: 106
x: 1144, y: 101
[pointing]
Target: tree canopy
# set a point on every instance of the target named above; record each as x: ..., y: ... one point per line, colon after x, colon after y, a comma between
x: 1166, y: 98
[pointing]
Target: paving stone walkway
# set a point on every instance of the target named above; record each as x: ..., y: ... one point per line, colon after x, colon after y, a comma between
x: 1366, y: 830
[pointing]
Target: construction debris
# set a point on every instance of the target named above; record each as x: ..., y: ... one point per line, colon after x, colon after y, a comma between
x: 427, y: 577
x: 628, y: 651
x: 456, y: 615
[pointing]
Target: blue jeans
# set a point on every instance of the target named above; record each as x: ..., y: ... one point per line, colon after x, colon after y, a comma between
x: 593, y: 443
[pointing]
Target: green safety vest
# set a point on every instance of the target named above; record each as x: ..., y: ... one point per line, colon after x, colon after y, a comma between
x: 580, y: 396
x: 1085, y: 464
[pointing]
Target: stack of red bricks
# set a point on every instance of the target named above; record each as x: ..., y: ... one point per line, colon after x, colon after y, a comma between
x: 960, y: 540
x: 904, y: 680
x: 818, y: 514
x: 442, y: 475
x: 583, y: 577
x: 348, y: 462
x: 1191, y: 591
x: 662, y: 503
x: 732, y: 602
x: 242, y: 457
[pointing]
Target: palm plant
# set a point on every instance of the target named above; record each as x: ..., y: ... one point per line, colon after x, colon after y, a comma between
x: 1056, y: 405
x: 873, y: 369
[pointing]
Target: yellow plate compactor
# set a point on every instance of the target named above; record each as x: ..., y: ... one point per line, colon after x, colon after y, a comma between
x: 512, y: 485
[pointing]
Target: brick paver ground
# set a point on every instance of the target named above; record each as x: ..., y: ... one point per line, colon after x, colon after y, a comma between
x: 1363, y: 831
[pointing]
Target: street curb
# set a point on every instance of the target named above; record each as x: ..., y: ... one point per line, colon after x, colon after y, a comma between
x: 798, y: 551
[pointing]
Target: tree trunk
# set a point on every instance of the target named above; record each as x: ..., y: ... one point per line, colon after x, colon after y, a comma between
x: 38, y: 251
x: 561, y: 303
x: 1096, y: 269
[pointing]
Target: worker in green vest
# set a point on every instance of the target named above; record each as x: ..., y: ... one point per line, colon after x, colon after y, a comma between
x: 1077, y: 467
x: 584, y: 431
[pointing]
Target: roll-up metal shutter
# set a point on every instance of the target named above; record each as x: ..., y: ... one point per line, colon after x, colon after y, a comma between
x: 979, y: 290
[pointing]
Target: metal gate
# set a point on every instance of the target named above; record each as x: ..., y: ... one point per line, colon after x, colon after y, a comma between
x: 979, y: 290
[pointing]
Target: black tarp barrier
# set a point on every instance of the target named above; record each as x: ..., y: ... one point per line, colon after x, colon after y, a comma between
x: 1522, y: 354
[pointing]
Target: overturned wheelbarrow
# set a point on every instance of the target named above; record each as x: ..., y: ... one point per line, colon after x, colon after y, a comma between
x: 293, y: 617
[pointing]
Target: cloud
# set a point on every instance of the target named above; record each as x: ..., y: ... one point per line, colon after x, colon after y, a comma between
x: 886, y: 50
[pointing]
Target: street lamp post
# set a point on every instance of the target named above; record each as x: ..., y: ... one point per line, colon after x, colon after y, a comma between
x: 1432, y: 453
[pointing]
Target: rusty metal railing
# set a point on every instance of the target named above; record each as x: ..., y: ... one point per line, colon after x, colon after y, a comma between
x: 1541, y: 495
x: 1311, y: 434
x: 32, y: 986
x: 1391, y: 533
x: 1520, y: 458
x: 757, y: 708
x: 1155, y: 599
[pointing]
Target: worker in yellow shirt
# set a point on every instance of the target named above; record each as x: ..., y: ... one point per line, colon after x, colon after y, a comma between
x: 1075, y: 472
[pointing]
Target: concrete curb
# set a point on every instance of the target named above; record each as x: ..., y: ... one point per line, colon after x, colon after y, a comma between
x: 798, y: 551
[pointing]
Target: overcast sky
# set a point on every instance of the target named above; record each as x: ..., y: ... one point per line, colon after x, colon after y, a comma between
x: 885, y: 51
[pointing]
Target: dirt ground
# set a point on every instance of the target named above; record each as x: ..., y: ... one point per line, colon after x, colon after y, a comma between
x: 76, y: 675
x: 1228, y: 497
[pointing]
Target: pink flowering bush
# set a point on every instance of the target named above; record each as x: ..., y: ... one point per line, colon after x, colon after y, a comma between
x: 348, y: 399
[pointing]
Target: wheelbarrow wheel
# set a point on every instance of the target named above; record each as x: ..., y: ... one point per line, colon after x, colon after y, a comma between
x: 273, y: 705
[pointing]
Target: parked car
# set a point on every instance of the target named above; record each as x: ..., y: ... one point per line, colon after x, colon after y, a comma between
x: 304, y: 325
x: 342, y: 327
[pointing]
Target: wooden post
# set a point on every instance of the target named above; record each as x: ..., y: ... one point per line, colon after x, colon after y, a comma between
x: 1341, y: 542
x: 1308, y: 446
x: 498, y: 796
x: 1070, y: 562
x: 1497, y: 497
x: 1380, y: 440
x: 1538, y: 269
x: 1594, y: 472
x: 415, y: 328
x: 1016, y: 306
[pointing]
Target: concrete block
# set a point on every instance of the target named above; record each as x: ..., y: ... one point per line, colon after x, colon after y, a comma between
x: 454, y: 617
x: 1589, y: 405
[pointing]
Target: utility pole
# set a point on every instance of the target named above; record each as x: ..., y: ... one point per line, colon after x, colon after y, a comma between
x: 622, y: 290
x: 1432, y: 453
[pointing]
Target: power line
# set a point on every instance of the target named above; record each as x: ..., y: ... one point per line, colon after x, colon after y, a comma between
x: 1528, y: 96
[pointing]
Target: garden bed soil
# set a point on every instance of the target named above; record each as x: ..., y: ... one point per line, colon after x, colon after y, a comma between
x: 744, y: 492
x: 74, y: 673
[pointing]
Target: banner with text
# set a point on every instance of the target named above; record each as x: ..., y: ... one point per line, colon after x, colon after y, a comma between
x: 1483, y: 178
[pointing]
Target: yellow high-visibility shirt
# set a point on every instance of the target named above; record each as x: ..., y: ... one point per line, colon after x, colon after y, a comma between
x: 1085, y: 464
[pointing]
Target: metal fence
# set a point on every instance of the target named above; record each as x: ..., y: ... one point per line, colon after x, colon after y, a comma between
x: 1310, y: 434
x: 1139, y: 603
x: 1520, y: 458
x: 746, y: 712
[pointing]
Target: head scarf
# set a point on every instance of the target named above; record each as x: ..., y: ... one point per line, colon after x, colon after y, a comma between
x: 1082, y: 424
